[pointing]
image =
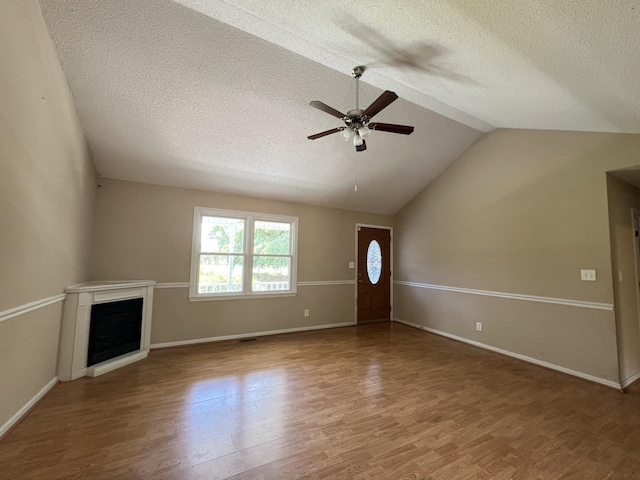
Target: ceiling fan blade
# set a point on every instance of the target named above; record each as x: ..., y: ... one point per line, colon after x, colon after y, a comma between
x: 383, y: 101
x: 361, y: 148
x: 390, y: 127
x: 324, y: 134
x: 327, y: 109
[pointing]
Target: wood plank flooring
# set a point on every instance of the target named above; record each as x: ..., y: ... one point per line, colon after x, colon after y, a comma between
x: 380, y: 401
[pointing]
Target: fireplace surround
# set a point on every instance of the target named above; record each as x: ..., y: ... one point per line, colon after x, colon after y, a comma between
x: 108, y: 298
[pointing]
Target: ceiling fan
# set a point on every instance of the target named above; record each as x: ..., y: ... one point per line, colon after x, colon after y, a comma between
x: 358, y: 122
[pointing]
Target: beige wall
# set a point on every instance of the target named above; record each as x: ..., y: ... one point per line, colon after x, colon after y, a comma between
x: 144, y: 232
x: 520, y: 212
x: 47, y: 185
x: 622, y: 198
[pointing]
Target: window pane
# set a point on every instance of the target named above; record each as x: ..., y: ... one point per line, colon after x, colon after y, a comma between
x: 222, y: 235
x: 220, y: 273
x: 271, y: 273
x: 374, y: 262
x: 272, y: 238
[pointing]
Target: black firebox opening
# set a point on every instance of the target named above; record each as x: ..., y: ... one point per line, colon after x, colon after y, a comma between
x: 114, y: 330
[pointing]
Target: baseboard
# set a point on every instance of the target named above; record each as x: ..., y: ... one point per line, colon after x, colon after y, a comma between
x: 249, y: 335
x: 632, y: 379
x: 409, y: 324
x: 20, y: 414
x: 535, y: 361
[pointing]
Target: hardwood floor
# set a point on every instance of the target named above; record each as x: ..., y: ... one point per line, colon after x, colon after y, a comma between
x: 380, y: 401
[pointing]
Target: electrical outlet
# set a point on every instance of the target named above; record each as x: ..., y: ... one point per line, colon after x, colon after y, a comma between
x: 352, y: 264
x: 306, y: 312
x: 479, y: 326
x: 588, y: 275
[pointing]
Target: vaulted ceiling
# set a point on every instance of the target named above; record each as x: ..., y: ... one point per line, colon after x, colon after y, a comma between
x: 214, y: 95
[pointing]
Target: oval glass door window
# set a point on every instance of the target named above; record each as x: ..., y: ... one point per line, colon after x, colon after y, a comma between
x: 374, y: 262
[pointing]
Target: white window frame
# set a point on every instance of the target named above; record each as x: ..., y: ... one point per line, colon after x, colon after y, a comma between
x: 249, y: 224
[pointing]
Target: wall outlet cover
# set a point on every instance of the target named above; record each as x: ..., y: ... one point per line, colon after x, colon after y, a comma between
x: 588, y: 275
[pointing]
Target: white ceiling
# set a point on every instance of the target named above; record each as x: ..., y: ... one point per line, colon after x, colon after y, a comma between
x: 190, y: 94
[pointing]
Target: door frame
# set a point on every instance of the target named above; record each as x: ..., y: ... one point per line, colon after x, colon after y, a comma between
x: 355, y: 297
x: 635, y: 226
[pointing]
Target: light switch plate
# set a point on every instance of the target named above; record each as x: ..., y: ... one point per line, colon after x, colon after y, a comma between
x: 588, y: 275
x: 352, y: 264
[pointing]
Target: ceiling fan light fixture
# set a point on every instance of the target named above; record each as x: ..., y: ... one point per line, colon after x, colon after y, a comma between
x: 357, y: 139
x: 347, y: 133
x: 364, y: 131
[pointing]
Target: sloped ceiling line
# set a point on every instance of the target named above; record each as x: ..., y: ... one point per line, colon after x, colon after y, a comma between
x: 214, y: 95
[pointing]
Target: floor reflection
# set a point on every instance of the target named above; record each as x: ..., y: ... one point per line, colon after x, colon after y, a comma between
x: 234, y: 412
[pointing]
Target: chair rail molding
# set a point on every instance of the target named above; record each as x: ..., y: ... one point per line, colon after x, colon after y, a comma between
x: 173, y: 285
x: 511, y: 296
x: 31, y: 306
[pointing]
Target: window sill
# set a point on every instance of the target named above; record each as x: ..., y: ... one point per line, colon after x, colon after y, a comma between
x: 242, y: 296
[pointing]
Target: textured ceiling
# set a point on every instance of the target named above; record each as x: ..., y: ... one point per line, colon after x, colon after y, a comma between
x: 539, y: 64
x: 214, y: 95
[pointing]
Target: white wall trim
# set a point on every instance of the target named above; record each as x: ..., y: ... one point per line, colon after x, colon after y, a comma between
x: 300, y: 284
x: 410, y: 324
x: 249, y: 335
x: 512, y: 296
x: 326, y: 282
x: 173, y: 285
x: 29, y: 307
x: 632, y: 379
x: 28, y: 406
x: 535, y: 361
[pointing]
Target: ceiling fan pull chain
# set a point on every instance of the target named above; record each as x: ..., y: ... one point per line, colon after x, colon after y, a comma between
x: 357, y: 93
x: 355, y: 187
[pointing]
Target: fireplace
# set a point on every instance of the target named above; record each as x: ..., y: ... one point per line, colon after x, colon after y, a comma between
x: 114, y: 330
x: 105, y: 325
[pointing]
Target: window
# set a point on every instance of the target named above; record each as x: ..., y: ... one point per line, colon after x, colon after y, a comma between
x: 242, y: 254
x: 374, y: 262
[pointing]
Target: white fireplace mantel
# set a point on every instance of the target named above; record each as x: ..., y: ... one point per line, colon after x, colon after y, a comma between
x: 74, y: 337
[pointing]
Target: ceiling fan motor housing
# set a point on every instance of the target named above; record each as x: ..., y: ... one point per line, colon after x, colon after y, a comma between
x: 355, y: 120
